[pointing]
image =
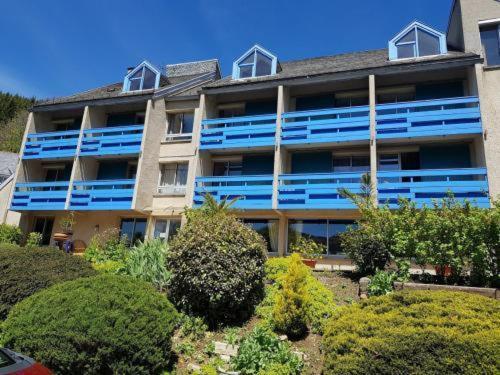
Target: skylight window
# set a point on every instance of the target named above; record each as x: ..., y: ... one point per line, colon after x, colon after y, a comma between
x: 145, y: 76
x: 255, y: 62
x: 417, y: 40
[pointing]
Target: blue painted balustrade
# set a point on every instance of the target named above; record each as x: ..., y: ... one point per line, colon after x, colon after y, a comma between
x: 429, y: 118
x: 51, y: 145
x: 254, y: 192
x: 102, y: 195
x: 238, y: 132
x: 40, y: 196
x: 116, y: 140
x: 326, y: 125
x: 424, y: 186
x: 307, y: 191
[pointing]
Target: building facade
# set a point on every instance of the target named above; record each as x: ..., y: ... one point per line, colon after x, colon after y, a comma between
x: 421, y: 117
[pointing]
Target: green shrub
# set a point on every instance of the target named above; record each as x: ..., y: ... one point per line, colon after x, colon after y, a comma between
x: 109, y: 266
x: 217, y: 266
x: 307, y: 247
x: 421, y: 332
x: 26, y: 271
x: 10, y: 234
x: 147, y: 261
x: 290, y: 313
x: 105, y: 246
x: 192, y: 327
x: 34, y: 240
x: 262, y: 350
x: 108, y: 324
x: 382, y: 283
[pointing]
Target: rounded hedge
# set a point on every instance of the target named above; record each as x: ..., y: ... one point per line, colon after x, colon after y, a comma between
x: 420, y: 332
x: 217, y: 266
x: 107, y: 324
x: 24, y: 271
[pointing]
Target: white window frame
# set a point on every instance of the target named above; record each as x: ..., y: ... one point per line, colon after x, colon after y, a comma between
x: 175, y: 190
x: 256, y: 48
x: 144, y: 64
x: 169, y: 223
x: 179, y: 137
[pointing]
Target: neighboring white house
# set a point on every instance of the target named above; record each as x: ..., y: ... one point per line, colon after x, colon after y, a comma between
x: 8, y: 162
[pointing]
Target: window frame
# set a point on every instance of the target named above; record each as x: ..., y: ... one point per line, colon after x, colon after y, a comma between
x: 485, y: 24
x: 128, y: 78
x: 173, y: 190
x: 256, y: 48
x: 179, y: 137
x: 169, y: 223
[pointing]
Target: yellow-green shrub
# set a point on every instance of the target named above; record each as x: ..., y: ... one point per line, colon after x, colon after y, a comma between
x: 420, y: 332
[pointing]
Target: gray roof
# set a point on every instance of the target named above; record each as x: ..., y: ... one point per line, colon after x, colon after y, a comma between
x: 343, y: 63
x: 8, y: 162
x: 173, y: 75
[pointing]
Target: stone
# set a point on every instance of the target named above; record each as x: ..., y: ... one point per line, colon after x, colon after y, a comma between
x: 222, y: 348
x: 283, y: 337
x: 363, y: 285
x: 193, y: 367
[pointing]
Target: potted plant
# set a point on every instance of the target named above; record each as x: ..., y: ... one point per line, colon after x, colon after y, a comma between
x: 309, y: 250
x: 66, y: 224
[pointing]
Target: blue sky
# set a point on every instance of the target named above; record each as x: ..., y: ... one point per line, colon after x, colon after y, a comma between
x: 56, y: 47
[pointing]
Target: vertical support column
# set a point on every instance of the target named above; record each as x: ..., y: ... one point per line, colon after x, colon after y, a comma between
x: 282, y: 234
x: 373, y: 139
x: 279, y: 159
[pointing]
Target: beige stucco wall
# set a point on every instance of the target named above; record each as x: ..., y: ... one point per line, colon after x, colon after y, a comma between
x: 7, y: 216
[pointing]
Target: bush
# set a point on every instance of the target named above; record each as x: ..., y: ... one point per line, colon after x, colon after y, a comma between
x: 34, y: 240
x: 217, y: 266
x: 107, y: 324
x: 147, y: 261
x: 262, y: 350
x: 381, y: 283
x: 290, y: 313
x: 105, y: 246
x: 420, y: 332
x: 26, y: 271
x: 109, y: 266
x: 10, y: 234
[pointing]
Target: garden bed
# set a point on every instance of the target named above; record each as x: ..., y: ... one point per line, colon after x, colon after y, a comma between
x: 487, y: 292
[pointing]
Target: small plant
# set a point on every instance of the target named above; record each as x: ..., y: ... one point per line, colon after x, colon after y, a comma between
x: 109, y: 266
x: 105, y: 246
x: 231, y: 335
x: 10, y: 234
x: 34, y: 240
x: 382, y: 283
x: 185, y: 348
x: 307, y: 248
x: 209, y: 349
x: 67, y: 222
x: 403, y: 272
x: 193, y: 327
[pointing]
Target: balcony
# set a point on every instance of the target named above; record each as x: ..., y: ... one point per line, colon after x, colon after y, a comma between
x: 254, y: 192
x: 116, y: 140
x: 102, y: 195
x: 424, y: 186
x: 326, y: 125
x: 317, y: 190
x: 51, y: 145
x: 429, y: 118
x: 40, y: 196
x: 238, y: 132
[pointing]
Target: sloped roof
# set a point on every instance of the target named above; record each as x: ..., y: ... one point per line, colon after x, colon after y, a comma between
x: 8, y: 162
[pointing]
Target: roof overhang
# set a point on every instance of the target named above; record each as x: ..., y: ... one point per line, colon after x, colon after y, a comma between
x: 94, y: 102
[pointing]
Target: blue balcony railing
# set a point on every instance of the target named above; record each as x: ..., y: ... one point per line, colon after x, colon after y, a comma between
x: 254, y: 192
x: 424, y: 186
x: 116, y: 140
x: 238, y: 132
x: 326, y: 125
x: 51, y: 145
x: 429, y: 118
x: 102, y: 195
x: 40, y: 196
x: 317, y: 190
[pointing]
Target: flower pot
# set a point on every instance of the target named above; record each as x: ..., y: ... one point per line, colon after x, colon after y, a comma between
x: 446, y: 272
x: 310, y: 262
x: 59, y: 236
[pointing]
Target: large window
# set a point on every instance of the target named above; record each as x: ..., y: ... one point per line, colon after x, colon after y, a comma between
x: 133, y: 229
x: 267, y: 229
x: 255, y: 63
x: 417, y: 40
x: 44, y: 226
x: 490, y: 39
x: 228, y: 168
x: 323, y: 232
x: 166, y: 228
x: 180, y: 126
x: 144, y: 77
x: 358, y: 163
x: 173, y: 178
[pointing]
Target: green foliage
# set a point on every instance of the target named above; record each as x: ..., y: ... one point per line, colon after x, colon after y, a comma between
x: 105, y: 246
x: 403, y: 270
x: 34, y: 240
x: 422, y: 332
x: 290, y: 312
x: 13, y: 117
x: 382, y: 283
x: 207, y: 370
x: 26, y: 271
x: 11, y: 104
x: 217, y: 266
x: 320, y: 302
x: 67, y: 222
x: 262, y: 350
x: 109, y: 266
x: 307, y: 248
x: 147, y: 261
x: 10, y: 234
x: 231, y: 335
x: 98, y: 325
x: 192, y: 327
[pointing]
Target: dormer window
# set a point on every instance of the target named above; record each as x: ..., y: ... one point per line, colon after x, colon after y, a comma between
x: 417, y: 40
x: 145, y: 76
x: 256, y: 62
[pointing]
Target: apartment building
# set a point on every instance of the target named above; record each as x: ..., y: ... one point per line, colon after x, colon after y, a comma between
x: 421, y: 116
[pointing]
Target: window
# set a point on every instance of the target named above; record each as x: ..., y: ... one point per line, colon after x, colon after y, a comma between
x: 133, y: 229
x: 351, y: 163
x: 145, y: 76
x: 267, y: 229
x: 173, y: 178
x: 490, y: 39
x: 228, y: 168
x: 44, y: 226
x: 63, y: 125
x: 388, y: 162
x: 417, y: 40
x: 180, y: 126
x: 166, y: 228
x: 255, y: 62
x: 57, y: 172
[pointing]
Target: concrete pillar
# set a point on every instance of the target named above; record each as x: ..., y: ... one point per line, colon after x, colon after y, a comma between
x: 279, y: 154
x: 373, y: 138
x: 282, y: 234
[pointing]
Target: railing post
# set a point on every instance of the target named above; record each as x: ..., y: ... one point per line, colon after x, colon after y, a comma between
x: 373, y: 139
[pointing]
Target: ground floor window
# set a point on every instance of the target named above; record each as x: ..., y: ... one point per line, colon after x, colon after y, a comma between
x: 44, y: 226
x: 323, y: 232
x: 267, y: 229
x: 166, y: 228
x: 134, y: 229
